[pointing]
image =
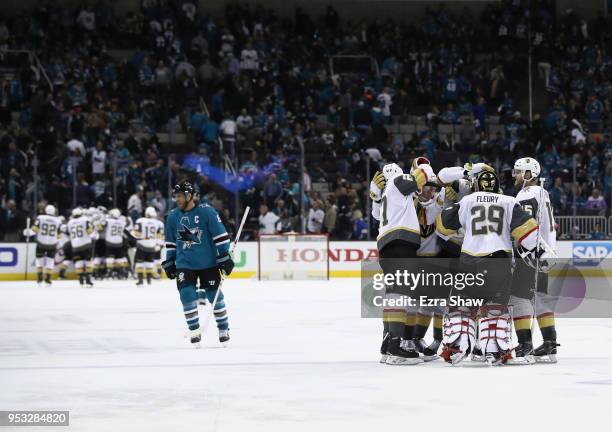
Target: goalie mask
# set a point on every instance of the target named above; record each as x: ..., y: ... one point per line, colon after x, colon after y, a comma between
x: 486, y: 181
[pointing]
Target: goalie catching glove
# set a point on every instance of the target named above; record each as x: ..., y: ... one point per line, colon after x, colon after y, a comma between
x: 376, y: 186
x: 225, y: 264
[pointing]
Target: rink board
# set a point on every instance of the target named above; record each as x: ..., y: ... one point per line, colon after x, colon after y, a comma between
x: 345, y: 258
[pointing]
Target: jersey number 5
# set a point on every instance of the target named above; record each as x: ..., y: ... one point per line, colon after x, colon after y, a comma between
x: 487, y: 220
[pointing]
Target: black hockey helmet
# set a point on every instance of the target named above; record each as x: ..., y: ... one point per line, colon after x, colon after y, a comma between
x: 486, y: 181
x: 184, y: 188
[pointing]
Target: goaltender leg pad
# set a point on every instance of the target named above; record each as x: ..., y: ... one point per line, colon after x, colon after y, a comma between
x: 459, y: 334
x: 495, y: 330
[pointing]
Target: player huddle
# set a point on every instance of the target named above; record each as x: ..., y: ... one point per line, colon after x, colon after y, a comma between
x: 461, y: 214
x: 96, y: 242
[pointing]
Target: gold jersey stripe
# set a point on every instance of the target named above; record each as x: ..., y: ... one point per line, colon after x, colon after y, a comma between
x: 521, y: 231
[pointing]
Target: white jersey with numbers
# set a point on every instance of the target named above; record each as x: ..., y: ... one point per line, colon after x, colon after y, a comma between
x: 80, y: 231
x: 147, y: 233
x: 47, y: 230
x: 490, y: 221
x: 536, y: 202
x: 398, y: 216
x: 161, y: 234
x: 113, y: 231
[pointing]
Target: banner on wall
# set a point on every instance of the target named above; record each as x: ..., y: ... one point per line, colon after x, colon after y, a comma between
x: 345, y: 257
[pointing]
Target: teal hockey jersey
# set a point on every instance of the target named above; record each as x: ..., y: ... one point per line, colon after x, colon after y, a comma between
x: 194, y: 239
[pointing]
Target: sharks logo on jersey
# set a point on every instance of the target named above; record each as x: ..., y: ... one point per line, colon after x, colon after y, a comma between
x: 189, y: 236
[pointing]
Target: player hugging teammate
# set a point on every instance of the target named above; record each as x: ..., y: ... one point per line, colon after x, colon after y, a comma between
x: 476, y: 224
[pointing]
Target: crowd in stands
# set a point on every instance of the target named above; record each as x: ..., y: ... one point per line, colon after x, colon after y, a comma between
x: 104, y: 89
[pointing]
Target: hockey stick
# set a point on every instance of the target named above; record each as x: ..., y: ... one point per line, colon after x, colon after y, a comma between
x: 537, y: 261
x: 27, y: 256
x: 232, y: 247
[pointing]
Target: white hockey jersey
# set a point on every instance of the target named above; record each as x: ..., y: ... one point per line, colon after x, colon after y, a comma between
x: 81, y: 232
x: 148, y: 233
x: 396, y: 212
x: 490, y: 222
x: 47, y: 229
x: 536, y: 202
x: 113, y: 231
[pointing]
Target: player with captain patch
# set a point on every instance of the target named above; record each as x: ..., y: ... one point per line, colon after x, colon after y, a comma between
x: 197, y: 247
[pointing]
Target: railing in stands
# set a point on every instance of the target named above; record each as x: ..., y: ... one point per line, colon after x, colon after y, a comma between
x: 582, y: 227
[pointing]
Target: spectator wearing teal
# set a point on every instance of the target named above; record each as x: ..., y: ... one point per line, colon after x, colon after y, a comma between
x: 594, y: 112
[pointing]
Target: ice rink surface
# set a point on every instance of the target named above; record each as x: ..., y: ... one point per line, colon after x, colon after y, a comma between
x: 300, y: 358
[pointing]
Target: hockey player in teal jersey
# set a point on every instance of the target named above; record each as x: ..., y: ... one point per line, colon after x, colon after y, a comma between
x: 197, y: 247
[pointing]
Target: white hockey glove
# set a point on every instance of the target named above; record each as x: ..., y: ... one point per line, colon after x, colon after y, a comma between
x: 376, y: 186
x: 472, y: 170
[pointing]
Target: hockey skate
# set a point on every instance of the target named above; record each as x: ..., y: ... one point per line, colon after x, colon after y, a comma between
x: 430, y: 352
x: 477, y: 355
x: 224, y: 337
x: 384, y: 347
x: 523, y: 354
x: 88, y: 282
x: 195, y: 337
x: 402, y: 355
x: 498, y: 358
x: 546, y: 353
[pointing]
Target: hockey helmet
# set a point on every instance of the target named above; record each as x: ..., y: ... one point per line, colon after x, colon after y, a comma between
x: 419, y: 161
x: 77, y: 212
x: 522, y: 165
x: 115, y: 213
x: 392, y: 170
x: 150, y: 212
x: 50, y: 210
x: 184, y: 187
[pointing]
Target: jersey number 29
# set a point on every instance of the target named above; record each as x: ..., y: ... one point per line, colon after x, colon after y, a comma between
x: 487, y: 220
